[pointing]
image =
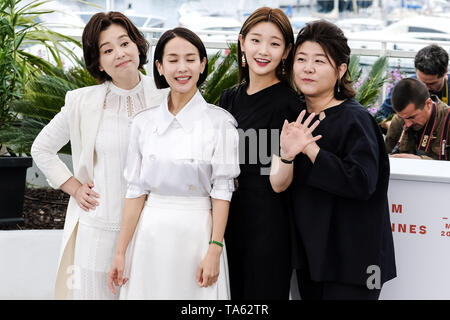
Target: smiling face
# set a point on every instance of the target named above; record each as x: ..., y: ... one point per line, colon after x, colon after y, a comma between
x: 314, y: 74
x: 119, y: 56
x: 264, y: 48
x: 181, y: 65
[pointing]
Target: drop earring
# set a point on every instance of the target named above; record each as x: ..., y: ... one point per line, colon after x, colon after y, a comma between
x: 243, y: 61
x: 283, y: 67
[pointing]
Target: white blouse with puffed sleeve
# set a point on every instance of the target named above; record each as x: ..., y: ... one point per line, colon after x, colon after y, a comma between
x: 194, y: 153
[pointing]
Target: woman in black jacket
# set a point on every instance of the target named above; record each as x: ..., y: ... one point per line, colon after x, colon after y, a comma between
x: 339, y: 183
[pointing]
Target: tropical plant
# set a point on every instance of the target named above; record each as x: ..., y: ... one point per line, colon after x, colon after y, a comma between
x: 11, y: 73
x: 42, y: 99
x: 18, y: 31
x: 223, y: 73
x: 22, y: 19
x: 368, y: 89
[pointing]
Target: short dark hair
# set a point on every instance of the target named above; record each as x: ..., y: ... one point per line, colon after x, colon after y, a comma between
x: 160, y: 80
x: 432, y: 60
x: 333, y: 42
x: 91, y: 34
x: 408, y: 91
x: 278, y: 18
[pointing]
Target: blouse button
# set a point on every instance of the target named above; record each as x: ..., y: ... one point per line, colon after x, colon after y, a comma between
x: 192, y: 187
x: 152, y: 157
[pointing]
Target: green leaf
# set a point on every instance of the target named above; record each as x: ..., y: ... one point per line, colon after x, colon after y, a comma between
x: 368, y: 92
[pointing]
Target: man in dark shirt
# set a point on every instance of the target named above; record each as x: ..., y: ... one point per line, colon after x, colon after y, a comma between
x: 420, y: 127
x: 431, y: 65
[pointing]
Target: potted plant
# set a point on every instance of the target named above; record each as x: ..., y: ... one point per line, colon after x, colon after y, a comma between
x: 18, y: 28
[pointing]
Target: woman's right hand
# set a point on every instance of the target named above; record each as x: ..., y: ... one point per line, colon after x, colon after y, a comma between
x: 115, y: 275
x: 296, y: 136
x: 84, y: 195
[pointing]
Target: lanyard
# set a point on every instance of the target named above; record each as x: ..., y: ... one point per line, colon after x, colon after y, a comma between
x: 445, y: 93
x: 429, y: 127
x: 444, y: 137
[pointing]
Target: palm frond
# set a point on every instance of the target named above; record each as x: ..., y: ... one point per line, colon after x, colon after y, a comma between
x: 368, y: 92
x: 354, y: 68
x: 42, y: 99
x: 224, y: 74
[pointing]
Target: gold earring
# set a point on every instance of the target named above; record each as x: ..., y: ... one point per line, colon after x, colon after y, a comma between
x: 243, y: 61
x: 283, y: 67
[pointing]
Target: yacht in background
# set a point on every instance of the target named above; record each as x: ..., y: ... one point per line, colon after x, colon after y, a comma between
x: 215, y: 21
x: 416, y: 28
x: 360, y: 24
x: 141, y: 20
x: 409, y: 34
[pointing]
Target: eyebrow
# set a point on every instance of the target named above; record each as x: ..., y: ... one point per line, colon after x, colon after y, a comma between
x: 260, y: 35
x: 176, y: 54
x: 316, y: 54
x: 120, y: 37
x: 409, y: 117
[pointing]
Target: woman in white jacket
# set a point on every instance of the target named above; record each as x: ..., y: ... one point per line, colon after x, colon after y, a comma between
x: 96, y: 121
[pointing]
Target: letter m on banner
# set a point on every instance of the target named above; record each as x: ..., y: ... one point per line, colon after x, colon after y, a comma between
x: 396, y: 208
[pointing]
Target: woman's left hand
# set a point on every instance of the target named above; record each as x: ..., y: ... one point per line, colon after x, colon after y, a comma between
x: 208, y: 271
x: 296, y: 136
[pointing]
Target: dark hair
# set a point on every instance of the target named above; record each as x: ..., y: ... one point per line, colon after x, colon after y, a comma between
x: 408, y: 91
x: 279, y: 18
x: 432, y: 60
x: 91, y: 34
x: 334, y: 44
x: 160, y: 80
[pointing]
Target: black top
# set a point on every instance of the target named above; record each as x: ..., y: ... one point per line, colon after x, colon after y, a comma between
x: 340, y: 203
x: 260, y: 117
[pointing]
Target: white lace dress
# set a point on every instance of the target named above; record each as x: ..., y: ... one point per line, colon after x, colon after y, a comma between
x: 98, y: 230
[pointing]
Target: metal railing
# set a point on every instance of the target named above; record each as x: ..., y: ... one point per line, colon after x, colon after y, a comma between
x: 152, y: 35
x: 375, y: 47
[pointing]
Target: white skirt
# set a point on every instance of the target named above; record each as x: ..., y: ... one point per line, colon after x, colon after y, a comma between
x: 94, y: 253
x: 170, y: 241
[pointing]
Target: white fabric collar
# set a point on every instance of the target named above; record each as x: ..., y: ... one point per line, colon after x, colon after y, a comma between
x: 187, y: 117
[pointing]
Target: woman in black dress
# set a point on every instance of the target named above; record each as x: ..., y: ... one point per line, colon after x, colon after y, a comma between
x: 339, y: 184
x: 257, y: 234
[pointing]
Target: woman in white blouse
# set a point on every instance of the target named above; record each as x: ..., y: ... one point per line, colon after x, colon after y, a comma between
x: 96, y: 121
x: 184, y: 156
